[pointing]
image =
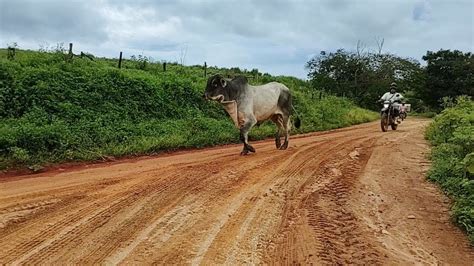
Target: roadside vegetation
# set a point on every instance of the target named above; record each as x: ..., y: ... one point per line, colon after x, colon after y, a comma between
x: 452, y: 135
x: 56, y: 109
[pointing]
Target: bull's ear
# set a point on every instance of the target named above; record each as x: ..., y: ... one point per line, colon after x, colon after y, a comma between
x: 223, y: 83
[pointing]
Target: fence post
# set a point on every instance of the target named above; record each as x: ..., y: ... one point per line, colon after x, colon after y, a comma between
x: 70, y: 55
x: 205, y: 69
x: 164, y: 67
x: 120, y: 61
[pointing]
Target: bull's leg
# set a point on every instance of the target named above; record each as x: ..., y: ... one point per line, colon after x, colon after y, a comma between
x: 278, y: 120
x: 286, y: 130
x: 277, y: 139
x: 244, y: 135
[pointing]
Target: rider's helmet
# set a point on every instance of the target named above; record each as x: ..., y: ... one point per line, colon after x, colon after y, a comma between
x: 393, y: 87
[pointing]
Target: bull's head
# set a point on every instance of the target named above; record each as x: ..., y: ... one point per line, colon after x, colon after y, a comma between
x: 215, y: 89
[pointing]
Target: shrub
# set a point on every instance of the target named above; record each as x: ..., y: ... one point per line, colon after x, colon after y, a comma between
x: 451, y: 134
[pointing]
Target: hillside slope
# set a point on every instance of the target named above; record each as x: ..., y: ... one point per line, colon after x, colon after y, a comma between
x: 53, y: 109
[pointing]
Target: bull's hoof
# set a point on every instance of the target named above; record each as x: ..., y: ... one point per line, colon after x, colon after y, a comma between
x: 278, y: 144
x: 244, y: 152
x: 250, y: 148
x: 284, y: 146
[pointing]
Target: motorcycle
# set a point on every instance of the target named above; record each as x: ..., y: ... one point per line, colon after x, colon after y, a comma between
x: 388, y: 116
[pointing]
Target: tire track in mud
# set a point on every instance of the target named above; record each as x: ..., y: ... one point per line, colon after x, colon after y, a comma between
x: 161, y: 204
x: 211, y: 200
x: 85, y: 220
x: 94, y: 215
x: 279, y: 187
x: 91, y: 220
x: 325, y: 172
x: 253, y: 196
x: 203, y: 207
x: 89, y: 215
x: 341, y: 239
x: 87, y: 225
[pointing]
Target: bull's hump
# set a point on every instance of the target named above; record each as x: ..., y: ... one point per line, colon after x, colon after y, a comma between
x: 240, y: 80
x: 272, y: 86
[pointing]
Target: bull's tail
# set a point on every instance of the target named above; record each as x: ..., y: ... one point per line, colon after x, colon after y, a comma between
x: 297, y: 119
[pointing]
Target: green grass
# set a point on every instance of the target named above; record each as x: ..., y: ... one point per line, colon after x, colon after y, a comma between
x: 54, y: 111
x: 451, y: 134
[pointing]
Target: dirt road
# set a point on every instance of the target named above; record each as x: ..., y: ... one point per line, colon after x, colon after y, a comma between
x: 350, y: 196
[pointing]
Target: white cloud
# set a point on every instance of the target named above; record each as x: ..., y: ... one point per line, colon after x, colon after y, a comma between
x: 274, y: 36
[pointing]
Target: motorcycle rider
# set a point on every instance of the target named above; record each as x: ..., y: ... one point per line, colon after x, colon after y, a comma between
x: 394, y: 97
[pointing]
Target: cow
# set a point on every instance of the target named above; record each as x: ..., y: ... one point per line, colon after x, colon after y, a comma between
x: 249, y: 105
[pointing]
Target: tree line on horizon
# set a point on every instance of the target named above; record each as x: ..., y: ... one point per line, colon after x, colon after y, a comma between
x: 364, y: 77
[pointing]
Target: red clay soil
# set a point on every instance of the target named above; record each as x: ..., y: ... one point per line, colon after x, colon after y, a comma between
x: 351, y: 196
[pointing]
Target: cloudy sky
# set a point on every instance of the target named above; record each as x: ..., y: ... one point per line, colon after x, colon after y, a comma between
x: 274, y: 36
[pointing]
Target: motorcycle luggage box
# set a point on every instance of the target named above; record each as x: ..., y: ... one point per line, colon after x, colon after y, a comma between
x: 407, y: 107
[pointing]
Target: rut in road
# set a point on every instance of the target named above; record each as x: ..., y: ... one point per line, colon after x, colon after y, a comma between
x: 210, y: 206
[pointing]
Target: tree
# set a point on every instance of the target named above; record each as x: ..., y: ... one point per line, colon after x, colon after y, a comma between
x: 449, y: 74
x: 363, y: 77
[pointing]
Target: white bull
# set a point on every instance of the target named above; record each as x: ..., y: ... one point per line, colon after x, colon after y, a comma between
x: 248, y: 105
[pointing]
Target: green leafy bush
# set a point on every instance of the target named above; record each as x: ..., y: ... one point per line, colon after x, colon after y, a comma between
x: 452, y: 137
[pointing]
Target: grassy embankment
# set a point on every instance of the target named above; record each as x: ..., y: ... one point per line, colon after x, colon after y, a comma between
x: 53, y: 110
x: 452, y: 135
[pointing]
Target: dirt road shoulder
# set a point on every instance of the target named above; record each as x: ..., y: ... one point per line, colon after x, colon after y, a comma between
x: 409, y: 215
